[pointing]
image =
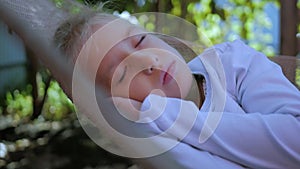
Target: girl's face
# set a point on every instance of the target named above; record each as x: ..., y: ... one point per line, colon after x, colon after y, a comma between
x: 137, y: 63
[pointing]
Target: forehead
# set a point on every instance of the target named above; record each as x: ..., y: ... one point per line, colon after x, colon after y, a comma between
x: 102, y: 40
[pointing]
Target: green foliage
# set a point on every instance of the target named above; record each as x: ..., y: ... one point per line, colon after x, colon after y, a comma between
x: 57, y: 105
x: 19, y: 133
x: 297, y: 77
x: 219, y: 22
x: 176, y: 10
x: 233, y: 19
x: 58, y: 3
x: 19, y: 104
x: 73, y: 9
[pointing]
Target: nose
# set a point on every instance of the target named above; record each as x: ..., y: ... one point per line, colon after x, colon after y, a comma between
x: 148, y: 71
x: 145, y: 61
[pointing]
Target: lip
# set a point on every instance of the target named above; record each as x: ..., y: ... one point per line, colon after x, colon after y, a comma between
x: 168, y: 73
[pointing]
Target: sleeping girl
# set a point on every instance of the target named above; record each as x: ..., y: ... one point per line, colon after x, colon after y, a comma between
x: 254, y: 108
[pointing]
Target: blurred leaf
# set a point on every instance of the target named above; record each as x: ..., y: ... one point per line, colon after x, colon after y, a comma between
x: 19, y: 104
x: 176, y: 8
x: 239, y: 19
x: 298, y: 77
x: 57, y: 105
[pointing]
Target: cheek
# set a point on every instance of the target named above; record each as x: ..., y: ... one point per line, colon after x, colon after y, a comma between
x: 139, y: 88
x: 103, y: 81
x: 184, y: 80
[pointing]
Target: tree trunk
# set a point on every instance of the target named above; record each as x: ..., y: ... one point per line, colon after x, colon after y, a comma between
x: 288, y: 25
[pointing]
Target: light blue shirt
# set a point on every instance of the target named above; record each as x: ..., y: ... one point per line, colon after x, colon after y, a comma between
x: 258, y: 126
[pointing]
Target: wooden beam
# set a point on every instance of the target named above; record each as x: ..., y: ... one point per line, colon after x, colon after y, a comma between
x: 288, y: 24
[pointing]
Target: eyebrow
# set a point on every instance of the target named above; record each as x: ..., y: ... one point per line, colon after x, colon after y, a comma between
x: 123, y: 75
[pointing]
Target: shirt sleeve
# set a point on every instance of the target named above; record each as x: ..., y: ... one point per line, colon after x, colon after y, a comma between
x: 185, y: 156
x: 181, y: 155
x: 267, y: 134
x: 257, y: 83
x: 270, y: 127
x: 252, y: 140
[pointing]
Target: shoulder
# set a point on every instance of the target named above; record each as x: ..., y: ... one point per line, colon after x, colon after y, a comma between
x: 234, y: 47
x: 238, y: 53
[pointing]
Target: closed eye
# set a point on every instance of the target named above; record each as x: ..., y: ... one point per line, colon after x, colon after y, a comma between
x: 123, y: 75
x: 140, y: 41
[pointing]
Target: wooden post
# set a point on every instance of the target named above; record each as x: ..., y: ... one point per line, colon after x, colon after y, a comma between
x: 288, y: 24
